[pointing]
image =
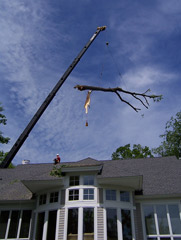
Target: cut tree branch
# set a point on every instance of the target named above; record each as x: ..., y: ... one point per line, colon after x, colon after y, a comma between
x: 142, y: 97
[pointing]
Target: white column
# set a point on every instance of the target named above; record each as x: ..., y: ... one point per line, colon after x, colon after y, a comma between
x: 57, y: 224
x: 105, y: 223
x: 95, y: 223
x: 45, y: 227
x: 119, y: 224
x: 133, y: 224
x: 80, y: 224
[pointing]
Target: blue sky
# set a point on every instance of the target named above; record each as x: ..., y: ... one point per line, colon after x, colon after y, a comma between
x: 38, y: 41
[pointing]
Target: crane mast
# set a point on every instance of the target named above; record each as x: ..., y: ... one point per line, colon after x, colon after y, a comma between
x: 5, y: 163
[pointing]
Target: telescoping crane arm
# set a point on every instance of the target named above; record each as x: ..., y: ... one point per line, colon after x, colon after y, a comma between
x: 45, y: 104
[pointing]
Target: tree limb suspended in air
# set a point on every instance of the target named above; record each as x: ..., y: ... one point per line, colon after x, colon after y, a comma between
x: 142, y: 97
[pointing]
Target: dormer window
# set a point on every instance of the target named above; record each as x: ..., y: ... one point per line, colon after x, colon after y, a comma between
x: 89, y: 180
x: 74, y: 181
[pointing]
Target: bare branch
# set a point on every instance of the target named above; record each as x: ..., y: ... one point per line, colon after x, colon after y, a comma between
x: 118, y: 90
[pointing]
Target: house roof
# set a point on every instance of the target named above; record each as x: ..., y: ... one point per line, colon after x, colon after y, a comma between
x: 160, y: 176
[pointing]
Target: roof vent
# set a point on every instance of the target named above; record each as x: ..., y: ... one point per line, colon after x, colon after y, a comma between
x: 25, y: 161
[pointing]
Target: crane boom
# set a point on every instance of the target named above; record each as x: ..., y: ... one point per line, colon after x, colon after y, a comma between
x: 5, y: 163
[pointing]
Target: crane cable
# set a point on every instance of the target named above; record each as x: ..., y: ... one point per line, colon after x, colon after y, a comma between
x: 115, y: 64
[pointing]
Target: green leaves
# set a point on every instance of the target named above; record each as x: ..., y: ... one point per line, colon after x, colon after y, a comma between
x: 3, y: 120
x: 137, y: 152
x: 171, y: 145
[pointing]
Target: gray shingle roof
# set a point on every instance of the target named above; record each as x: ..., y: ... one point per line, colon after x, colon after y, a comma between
x: 161, y: 176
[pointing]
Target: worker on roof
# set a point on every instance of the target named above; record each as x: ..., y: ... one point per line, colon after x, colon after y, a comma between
x: 57, y: 159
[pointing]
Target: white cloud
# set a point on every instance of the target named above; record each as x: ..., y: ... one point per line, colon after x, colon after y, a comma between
x: 146, y: 77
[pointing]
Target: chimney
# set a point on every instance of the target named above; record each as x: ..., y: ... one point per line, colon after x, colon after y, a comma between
x: 25, y: 161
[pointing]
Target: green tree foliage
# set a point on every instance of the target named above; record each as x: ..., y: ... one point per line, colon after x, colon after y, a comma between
x: 3, y: 121
x: 3, y: 140
x: 171, y: 145
x: 137, y: 152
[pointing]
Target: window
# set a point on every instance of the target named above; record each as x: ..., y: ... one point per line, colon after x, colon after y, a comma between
x: 88, y: 194
x: 52, y: 220
x: 40, y: 225
x: 3, y: 223
x: 73, y: 195
x: 13, y: 229
x: 42, y: 199
x: 88, y: 223
x: 53, y: 197
x: 126, y: 224
x: 18, y: 220
x: 124, y: 196
x: 149, y: 220
x: 72, y: 230
x: 89, y: 180
x: 74, y: 181
x: 25, y: 225
x: 175, y: 218
x: 111, y: 195
x: 162, y: 220
x: 111, y: 224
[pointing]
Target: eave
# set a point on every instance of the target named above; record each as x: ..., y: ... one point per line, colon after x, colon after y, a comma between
x: 93, y: 168
x: 131, y: 182
x: 36, y: 186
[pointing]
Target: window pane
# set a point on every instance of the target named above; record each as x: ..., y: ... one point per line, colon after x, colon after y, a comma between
x: 73, y: 195
x: 42, y: 199
x: 3, y: 223
x: 13, y: 229
x: 52, y: 220
x: 149, y: 220
x: 72, y: 231
x: 88, y: 194
x: 25, y: 224
x: 162, y: 219
x: 124, y: 196
x: 54, y: 197
x: 88, y: 223
x: 165, y: 238
x: 40, y: 225
x: 175, y: 219
x: 74, y: 181
x: 111, y: 195
x: 126, y: 224
x: 112, y: 224
x: 89, y: 180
